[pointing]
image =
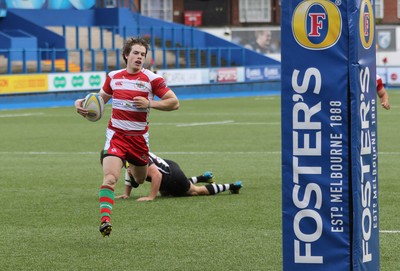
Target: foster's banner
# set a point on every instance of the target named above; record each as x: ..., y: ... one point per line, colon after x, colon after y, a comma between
x: 321, y: 190
x: 364, y: 138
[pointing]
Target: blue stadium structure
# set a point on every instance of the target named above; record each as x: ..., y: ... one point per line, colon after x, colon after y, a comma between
x: 49, y: 41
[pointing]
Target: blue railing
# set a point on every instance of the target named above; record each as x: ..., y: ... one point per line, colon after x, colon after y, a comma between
x: 20, y: 61
x: 96, y: 48
x: 182, y: 36
x: 117, y: 3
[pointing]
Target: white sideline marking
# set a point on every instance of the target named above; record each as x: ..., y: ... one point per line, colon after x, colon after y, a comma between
x: 211, y: 153
x: 161, y: 152
x: 228, y: 114
x: 20, y: 115
x: 265, y: 98
x: 256, y: 123
x: 204, y: 123
x: 389, y: 231
x: 226, y: 122
x: 43, y: 153
x: 90, y: 153
x: 389, y: 153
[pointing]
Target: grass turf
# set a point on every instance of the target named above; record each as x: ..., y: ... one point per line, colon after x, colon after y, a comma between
x: 50, y: 178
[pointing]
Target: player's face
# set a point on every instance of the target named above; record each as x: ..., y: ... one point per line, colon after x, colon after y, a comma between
x: 136, y: 58
x: 265, y: 39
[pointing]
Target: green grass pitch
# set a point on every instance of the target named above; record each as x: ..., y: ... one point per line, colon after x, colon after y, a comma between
x: 50, y: 178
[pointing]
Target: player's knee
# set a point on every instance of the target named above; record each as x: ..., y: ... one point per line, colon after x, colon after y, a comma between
x: 139, y: 180
x: 110, y: 180
x: 139, y: 174
x: 192, y: 193
x: 192, y: 190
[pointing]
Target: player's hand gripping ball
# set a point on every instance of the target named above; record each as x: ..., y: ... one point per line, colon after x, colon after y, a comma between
x: 94, y: 104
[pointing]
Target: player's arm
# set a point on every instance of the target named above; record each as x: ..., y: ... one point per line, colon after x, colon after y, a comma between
x: 384, y: 97
x: 102, y: 92
x: 79, y: 109
x: 106, y: 97
x: 382, y: 93
x: 156, y: 178
x: 128, y: 187
x: 168, y: 102
x: 127, y: 194
x: 79, y: 103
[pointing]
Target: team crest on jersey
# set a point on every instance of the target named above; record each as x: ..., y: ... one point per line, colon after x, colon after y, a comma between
x: 366, y: 24
x: 140, y: 85
x: 317, y: 24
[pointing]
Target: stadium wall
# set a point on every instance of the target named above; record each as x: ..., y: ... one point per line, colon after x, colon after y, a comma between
x: 67, y: 98
x: 61, y: 89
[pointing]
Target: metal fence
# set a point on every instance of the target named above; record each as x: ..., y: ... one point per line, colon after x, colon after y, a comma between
x: 98, y: 48
x: 21, y: 61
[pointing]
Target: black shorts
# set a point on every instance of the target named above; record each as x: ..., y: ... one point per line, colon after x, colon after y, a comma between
x: 175, y: 184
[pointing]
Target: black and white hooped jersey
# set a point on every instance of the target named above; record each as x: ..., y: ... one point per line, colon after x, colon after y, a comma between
x: 160, y: 163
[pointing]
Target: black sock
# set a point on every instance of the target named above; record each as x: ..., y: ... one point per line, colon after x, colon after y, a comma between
x: 217, y: 188
x: 129, y: 178
x: 202, y: 179
x: 210, y: 189
x: 134, y: 184
x: 198, y: 179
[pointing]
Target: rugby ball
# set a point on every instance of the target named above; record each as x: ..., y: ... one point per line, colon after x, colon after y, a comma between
x: 94, y: 104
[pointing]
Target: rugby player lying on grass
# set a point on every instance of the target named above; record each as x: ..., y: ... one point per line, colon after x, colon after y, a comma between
x: 168, y: 178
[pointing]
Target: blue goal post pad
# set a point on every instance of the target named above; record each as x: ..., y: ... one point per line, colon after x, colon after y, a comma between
x: 328, y: 103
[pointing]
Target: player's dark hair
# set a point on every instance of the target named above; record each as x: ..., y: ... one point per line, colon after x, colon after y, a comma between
x: 126, y: 50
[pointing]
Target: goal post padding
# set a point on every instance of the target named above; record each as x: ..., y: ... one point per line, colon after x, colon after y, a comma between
x: 330, y: 215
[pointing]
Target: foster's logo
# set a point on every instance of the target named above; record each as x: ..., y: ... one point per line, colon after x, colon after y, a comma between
x: 366, y: 24
x: 317, y: 24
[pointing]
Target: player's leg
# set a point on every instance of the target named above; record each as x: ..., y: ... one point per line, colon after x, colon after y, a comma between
x: 111, y: 171
x: 139, y: 174
x: 219, y: 188
x: 113, y: 158
x: 138, y: 157
x: 177, y: 183
x: 197, y: 190
x: 206, y: 177
x: 213, y: 189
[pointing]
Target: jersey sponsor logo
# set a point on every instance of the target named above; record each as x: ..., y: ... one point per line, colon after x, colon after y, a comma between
x: 140, y: 85
x: 316, y: 24
x: 366, y: 24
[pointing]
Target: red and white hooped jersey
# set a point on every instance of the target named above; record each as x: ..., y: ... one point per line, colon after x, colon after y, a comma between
x: 123, y: 87
x: 379, y: 83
